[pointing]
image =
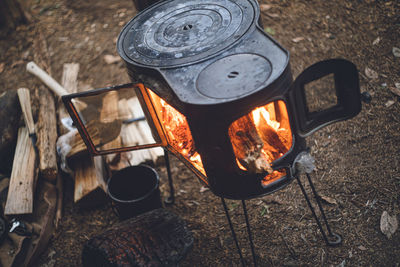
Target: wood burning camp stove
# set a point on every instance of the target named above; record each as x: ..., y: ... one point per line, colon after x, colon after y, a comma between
x: 218, y: 93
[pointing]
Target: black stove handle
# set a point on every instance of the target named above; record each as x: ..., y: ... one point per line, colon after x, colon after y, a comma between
x: 347, y: 91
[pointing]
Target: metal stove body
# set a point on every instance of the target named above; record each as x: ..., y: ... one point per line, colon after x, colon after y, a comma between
x: 213, y: 63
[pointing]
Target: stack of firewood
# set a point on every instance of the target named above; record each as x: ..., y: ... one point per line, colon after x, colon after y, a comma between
x: 90, y: 174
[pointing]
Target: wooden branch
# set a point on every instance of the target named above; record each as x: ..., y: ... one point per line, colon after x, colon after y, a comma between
x: 23, y: 177
x: 47, y: 136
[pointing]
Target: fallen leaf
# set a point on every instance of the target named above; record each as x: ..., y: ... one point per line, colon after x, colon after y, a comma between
x: 389, y: 103
x: 203, y: 189
x: 329, y: 200
x: 396, y: 51
x: 269, y: 30
x: 395, y: 90
x: 362, y: 248
x: 2, y: 65
x: 110, y: 59
x: 272, y: 15
x: 265, y: 7
x: 376, y: 41
x: 298, y: 39
x: 371, y: 73
x: 389, y: 224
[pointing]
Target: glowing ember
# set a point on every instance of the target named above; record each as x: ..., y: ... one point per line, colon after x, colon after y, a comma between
x: 177, y: 131
x: 275, y: 175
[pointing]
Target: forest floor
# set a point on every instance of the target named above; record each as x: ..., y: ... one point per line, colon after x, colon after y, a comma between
x: 358, y: 160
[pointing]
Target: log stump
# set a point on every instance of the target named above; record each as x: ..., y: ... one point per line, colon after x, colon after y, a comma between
x: 155, y: 238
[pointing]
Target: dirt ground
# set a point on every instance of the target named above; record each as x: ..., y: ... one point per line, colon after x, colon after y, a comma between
x: 358, y: 161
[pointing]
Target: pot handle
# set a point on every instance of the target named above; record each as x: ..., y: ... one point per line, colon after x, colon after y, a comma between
x: 347, y: 90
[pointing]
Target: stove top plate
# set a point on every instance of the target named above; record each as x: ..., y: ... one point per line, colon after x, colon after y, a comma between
x: 180, y: 32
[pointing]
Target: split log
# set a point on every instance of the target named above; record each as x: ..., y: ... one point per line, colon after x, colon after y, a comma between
x: 70, y: 83
x: 23, y: 176
x: 90, y: 186
x: 155, y: 238
x: 89, y: 174
x: 10, y: 114
x: 47, y: 136
x: 248, y: 145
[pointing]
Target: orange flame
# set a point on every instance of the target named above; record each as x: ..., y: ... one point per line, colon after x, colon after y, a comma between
x: 177, y: 131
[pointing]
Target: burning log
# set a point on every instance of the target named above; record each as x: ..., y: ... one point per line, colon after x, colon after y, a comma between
x: 23, y: 176
x: 272, y: 141
x: 248, y: 145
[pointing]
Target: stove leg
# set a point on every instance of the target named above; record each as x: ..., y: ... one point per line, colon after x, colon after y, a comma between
x: 233, y: 231
x: 249, y: 233
x: 332, y: 239
x: 171, y: 198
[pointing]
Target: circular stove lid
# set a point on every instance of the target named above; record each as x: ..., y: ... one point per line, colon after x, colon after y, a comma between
x: 179, y: 32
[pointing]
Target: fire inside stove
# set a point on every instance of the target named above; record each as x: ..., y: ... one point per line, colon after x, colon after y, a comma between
x: 261, y: 137
x: 258, y: 138
x: 177, y: 131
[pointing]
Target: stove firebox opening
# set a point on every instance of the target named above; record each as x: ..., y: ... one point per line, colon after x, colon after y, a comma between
x: 177, y: 131
x: 261, y: 137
